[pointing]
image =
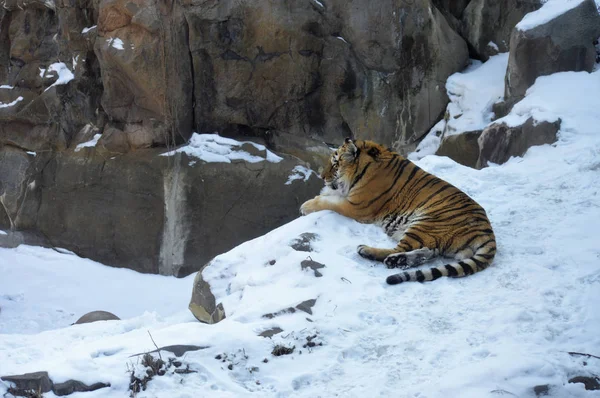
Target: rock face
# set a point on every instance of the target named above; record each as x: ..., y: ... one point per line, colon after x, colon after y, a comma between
x: 322, y: 69
x: 487, y: 24
x: 151, y: 213
x: 564, y: 43
x: 498, y: 142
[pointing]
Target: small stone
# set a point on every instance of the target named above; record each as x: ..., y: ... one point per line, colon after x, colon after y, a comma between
x: 307, y: 305
x: 230, y: 366
x: 265, y: 360
x: 71, y: 386
x: 302, y: 243
x: 36, y: 381
x: 270, y: 332
x: 541, y: 390
x: 96, y: 316
x: 315, y: 266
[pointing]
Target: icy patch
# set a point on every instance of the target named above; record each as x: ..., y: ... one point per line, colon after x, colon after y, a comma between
x: 3, y: 105
x: 550, y: 10
x: 299, y: 173
x: 64, y: 74
x: 85, y: 30
x: 90, y: 143
x: 213, y: 148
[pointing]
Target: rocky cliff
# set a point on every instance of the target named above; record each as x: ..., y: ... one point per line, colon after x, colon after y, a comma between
x: 137, y: 77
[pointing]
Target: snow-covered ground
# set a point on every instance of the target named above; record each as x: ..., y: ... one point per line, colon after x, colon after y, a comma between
x: 496, y: 333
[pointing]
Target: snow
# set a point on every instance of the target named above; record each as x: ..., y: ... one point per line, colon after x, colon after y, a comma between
x: 116, y: 43
x: 493, y: 45
x: 212, y: 148
x: 64, y: 74
x: 2, y: 232
x: 33, y: 281
x: 85, y: 30
x: 6, y: 86
x: 472, y: 94
x: 341, y: 38
x: 549, y: 10
x: 31, y: 153
x: 3, y: 105
x: 90, y: 143
x: 319, y: 3
x: 498, y: 332
x: 299, y: 173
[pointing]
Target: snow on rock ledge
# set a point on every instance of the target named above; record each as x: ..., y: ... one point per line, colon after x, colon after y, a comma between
x: 212, y: 148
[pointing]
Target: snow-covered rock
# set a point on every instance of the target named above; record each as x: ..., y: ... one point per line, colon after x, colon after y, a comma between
x: 556, y: 38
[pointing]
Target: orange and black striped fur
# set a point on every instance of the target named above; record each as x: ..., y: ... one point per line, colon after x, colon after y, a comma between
x: 428, y: 216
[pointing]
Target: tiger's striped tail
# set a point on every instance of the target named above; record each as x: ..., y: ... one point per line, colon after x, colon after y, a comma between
x: 480, y: 261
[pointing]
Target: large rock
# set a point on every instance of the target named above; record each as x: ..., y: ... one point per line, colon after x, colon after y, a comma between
x: 488, y: 24
x: 322, y: 70
x: 540, y: 46
x: 150, y: 213
x: 498, y: 142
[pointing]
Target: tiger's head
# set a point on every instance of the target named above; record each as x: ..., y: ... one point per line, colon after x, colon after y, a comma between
x: 348, y: 160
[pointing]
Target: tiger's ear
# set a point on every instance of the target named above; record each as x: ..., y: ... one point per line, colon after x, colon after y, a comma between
x: 351, y: 148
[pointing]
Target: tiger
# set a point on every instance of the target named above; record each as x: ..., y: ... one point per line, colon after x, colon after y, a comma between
x: 426, y: 215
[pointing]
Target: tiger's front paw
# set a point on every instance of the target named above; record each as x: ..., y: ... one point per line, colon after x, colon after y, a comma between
x: 310, y: 206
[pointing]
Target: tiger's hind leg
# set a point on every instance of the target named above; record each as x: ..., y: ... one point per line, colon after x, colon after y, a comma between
x: 406, y: 260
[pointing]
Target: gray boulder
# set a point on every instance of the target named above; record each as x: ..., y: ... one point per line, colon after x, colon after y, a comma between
x: 492, y: 21
x: 498, y: 142
x: 96, y: 316
x: 564, y: 43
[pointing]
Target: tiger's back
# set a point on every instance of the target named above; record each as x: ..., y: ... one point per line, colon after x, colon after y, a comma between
x: 428, y: 216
